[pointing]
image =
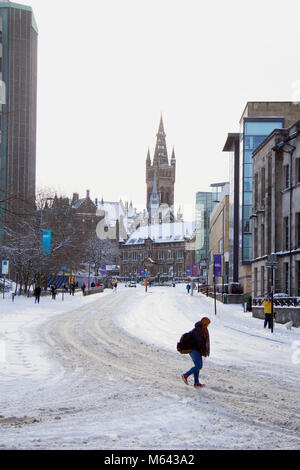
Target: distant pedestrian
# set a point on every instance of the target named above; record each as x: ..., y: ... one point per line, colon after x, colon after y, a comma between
x: 116, y: 285
x: 267, y: 304
x: 73, y: 288
x: 37, y: 294
x: 188, y: 287
x: 53, y: 292
x: 200, y: 347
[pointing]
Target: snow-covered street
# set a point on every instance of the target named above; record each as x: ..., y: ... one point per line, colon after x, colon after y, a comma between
x: 102, y: 372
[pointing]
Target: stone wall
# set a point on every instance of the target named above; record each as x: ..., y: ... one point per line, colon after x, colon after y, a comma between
x: 283, y: 314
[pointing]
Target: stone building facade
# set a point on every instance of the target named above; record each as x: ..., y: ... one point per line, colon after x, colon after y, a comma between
x: 163, y: 250
x: 276, y: 212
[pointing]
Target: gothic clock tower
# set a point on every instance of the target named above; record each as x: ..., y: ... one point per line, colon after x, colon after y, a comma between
x: 160, y: 174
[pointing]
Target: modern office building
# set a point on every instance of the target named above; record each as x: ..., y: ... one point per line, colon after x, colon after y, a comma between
x: 18, y: 74
x: 258, y: 120
x: 205, y: 202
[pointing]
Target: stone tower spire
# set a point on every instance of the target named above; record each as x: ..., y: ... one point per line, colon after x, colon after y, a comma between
x: 161, y: 153
x: 160, y: 175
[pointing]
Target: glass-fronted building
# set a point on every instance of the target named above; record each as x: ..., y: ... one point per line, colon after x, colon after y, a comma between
x: 205, y: 202
x: 255, y: 130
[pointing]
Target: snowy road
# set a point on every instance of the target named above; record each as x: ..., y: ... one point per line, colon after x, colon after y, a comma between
x: 108, y: 386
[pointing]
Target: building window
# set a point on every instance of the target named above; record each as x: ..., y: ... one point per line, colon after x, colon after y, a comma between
x: 262, y: 281
x: 125, y: 256
x: 298, y: 229
x: 255, y: 282
x: 134, y: 256
x: 263, y: 186
x: 286, y: 278
x: 286, y: 172
x: 255, y: 191
x: 170, y: 254
x: 262, y: 235
x: 298, y: 170
x: 286, y: 233
x: 255, y: 243
x: 180, y: 254
x: 160, y: 255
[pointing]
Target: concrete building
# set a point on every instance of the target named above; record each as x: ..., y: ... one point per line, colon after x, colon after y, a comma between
x: 276, y: 212
x: 258, y: 120
x: 18, y: 74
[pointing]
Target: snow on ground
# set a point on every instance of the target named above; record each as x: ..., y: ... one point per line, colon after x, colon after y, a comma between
x: 77, y: 409
x: 237, y: 339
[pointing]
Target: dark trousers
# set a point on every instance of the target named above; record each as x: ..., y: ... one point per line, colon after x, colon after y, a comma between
x: 268, y: 320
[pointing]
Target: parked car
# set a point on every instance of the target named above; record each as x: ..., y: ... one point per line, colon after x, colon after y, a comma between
x: 280, y: 294
x: 132, y: 284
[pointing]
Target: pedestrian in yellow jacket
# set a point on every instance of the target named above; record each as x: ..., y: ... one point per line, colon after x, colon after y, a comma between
x: 267, y: 304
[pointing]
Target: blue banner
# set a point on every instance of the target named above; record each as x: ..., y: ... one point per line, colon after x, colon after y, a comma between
x: 46, y: 241
x: 103, y: 269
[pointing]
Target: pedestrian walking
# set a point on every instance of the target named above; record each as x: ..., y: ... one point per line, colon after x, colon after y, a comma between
x: 73, y: 288
x: 188, y: 287
x: 37, y: 294
x: 197, y: 346
x: 53, y: 292
x: 267, y: 304
x: 116, y: 285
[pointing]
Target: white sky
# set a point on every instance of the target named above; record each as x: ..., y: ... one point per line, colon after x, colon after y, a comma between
x: 107, y: 69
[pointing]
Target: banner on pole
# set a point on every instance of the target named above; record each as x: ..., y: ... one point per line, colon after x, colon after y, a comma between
x: 188, y: 270
x: 217, y: 265
x: 103, y: 269
x: 46, y: 249
x: 5, y: 265
x: 195, y: 270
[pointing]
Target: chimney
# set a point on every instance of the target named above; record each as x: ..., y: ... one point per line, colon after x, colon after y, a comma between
x: 87, y: 194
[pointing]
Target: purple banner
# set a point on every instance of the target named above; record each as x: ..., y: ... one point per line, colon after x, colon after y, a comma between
x: 142, y: 272
x: 218, y: 265
x: 103, y: 269
x: 195, y: 270
x: 188, y: 270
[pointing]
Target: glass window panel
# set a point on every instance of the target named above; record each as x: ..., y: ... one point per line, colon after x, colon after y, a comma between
x: 247, y: 170
x: 248, y: 156
x: 247, y: 254
x: 247, y: 198
x: 247, y: 212
x: 257, y: 140
x: 261, y: 128
x: 248, y: 184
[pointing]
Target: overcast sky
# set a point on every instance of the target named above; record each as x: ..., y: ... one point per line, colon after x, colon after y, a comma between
x: 108, y: 69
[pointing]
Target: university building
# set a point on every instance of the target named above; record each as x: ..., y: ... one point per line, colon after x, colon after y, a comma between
x: 163, y: 246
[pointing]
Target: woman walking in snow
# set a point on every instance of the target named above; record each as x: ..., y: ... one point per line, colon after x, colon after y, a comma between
x: 200, y: 346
